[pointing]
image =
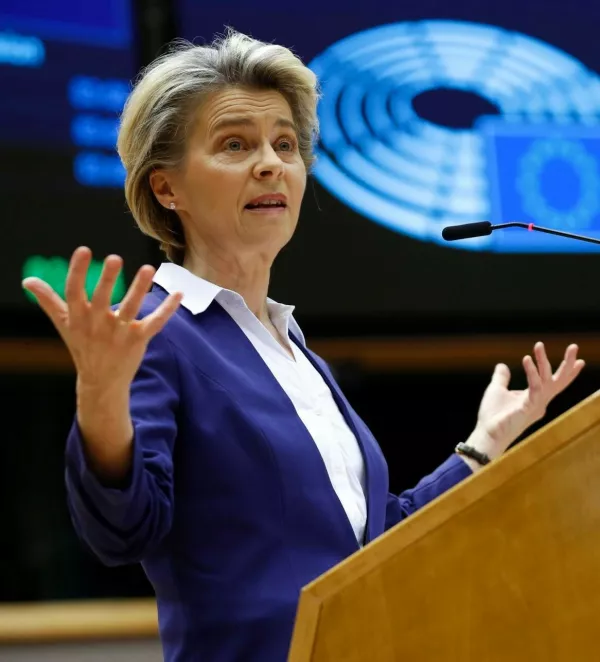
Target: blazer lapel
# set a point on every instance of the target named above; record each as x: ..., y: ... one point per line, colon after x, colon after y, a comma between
x: 375, y: 469
x: 250, y: 377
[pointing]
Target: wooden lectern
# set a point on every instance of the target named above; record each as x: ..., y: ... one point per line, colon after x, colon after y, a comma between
x: 503, y: 567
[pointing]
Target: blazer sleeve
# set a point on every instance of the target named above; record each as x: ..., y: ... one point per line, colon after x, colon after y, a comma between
x: 121, y: 525
x: 448, y: 474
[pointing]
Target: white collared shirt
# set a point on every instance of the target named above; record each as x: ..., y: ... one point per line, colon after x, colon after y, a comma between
x: 303, y: 384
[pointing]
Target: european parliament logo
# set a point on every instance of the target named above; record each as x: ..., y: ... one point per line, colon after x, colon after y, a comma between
x: 537, y: 161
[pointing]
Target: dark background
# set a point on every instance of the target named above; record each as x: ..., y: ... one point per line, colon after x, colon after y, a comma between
x: 346, y: 275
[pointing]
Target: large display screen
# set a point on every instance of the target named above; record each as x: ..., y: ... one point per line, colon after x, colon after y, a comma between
x: 437, y: 114
x: 65, y: 71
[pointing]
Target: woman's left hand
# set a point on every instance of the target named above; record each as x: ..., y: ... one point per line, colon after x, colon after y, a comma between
x: 504, y: 415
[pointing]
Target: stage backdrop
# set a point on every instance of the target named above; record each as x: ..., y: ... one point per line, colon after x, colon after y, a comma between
x: 65, y: 71
x: 435, y: 114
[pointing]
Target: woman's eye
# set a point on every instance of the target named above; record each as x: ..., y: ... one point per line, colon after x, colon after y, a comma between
x: 286, y: 145
x: 234, y: 145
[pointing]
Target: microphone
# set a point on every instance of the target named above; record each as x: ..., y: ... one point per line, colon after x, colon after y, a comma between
x: 483, y: 228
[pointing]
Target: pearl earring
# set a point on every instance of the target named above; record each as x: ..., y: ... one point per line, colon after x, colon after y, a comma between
x: 172, y: 205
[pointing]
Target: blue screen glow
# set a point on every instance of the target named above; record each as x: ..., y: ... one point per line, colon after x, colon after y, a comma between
x: 391, y: 165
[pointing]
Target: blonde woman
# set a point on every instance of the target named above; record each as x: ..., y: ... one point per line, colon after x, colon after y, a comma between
x: 210, y: 444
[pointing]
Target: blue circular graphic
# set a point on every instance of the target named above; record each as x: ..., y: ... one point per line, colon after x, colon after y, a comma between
x: 381, y: 159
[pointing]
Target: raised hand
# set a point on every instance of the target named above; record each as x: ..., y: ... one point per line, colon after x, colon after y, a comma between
x: 505, y: 414
x: 107, y: 347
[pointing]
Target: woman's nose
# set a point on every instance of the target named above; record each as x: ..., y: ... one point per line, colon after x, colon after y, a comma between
x: 268, y: 164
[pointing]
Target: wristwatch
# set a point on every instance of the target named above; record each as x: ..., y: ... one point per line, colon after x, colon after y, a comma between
x: 469, y: 451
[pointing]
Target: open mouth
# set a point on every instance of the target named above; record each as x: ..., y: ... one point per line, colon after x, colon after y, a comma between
x: 266, y: 205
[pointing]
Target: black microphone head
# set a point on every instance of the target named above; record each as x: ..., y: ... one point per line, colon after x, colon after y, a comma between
x: 467, y: 231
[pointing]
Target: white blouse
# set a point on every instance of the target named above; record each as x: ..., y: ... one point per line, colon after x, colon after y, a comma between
x: 303, y: 384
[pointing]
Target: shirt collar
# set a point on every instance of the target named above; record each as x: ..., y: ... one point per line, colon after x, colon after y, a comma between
x: 199, y: 293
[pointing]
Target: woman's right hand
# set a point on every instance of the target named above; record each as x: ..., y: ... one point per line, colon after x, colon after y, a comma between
x: 107, y: 347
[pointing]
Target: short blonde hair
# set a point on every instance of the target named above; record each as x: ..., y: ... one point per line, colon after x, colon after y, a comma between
x: 159, y: 110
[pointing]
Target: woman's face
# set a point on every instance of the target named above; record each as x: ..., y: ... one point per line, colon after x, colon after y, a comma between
x: 243, y: 178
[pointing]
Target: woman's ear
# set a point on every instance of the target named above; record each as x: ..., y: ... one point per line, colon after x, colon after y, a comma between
x: 161, y: 185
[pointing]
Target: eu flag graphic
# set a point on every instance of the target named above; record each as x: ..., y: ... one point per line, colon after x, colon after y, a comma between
x: 548, y: 174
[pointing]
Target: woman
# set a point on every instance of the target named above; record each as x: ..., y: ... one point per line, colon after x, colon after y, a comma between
x: 209, y: 443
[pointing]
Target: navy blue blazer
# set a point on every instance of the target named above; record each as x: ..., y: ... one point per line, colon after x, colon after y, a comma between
x: 229, y: 507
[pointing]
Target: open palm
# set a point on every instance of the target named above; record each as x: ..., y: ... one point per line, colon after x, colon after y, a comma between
x: 505, y: 414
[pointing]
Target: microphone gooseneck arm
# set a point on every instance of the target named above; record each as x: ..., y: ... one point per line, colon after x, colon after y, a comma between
x: 484, y: 228
x: 539, y: 228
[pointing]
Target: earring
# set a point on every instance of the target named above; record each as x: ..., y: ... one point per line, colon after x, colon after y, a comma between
x: 171, y: 205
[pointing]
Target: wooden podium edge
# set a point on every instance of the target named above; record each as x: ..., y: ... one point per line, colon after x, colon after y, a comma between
x: 307, y: 620
x: 453, y: 502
